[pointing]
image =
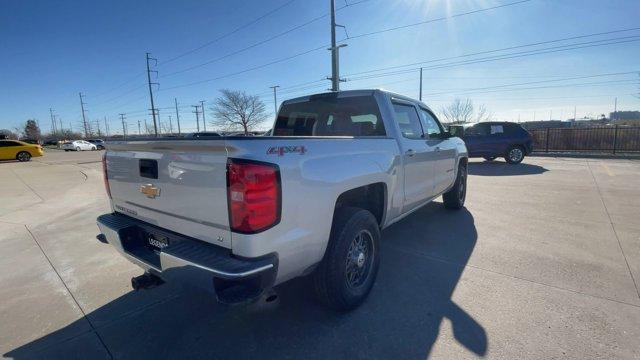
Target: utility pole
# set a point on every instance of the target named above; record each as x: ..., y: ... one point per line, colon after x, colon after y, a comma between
x: 53, y: 121
x: 124, y: 131
x: 98, y: 126
x: 420, y: 97
x: 197, y: 112
x: 550, y: 114
x: 60, y: 121
x: 575, y: 108
x: 335, y: 62
x: 159, y: 122
x: 275, y: 99
x: 615, y: 109
x: 70, y: 127
x: 204, y: 122
x: 84, y: 118
x: 170, y: 126
x: 139, y: 133
x: 153, y: 107
x: 177, y: 114
x: 106, y: 126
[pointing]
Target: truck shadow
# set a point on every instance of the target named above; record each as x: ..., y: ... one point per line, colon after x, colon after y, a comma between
x: 501, y: 168
x: 423, y: 258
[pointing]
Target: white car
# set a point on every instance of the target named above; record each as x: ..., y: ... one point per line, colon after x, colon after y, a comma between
x: 78, y: 145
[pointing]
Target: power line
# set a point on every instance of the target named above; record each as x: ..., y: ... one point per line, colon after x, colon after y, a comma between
x: 487, y: 59
x: 262, y: 42
x: 241, y: 27
x: 314, y: 49
x: 438, y: 19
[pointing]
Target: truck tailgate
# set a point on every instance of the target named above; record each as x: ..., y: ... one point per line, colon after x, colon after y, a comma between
x: 179, y: 185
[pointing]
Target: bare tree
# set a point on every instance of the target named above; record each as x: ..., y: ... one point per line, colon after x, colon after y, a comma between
x: 8, y: 134
x: 237, y: 110
x: 463, y: 111
x: 483, y: 114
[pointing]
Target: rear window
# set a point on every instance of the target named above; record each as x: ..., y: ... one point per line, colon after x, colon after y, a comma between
x: 330, y: 116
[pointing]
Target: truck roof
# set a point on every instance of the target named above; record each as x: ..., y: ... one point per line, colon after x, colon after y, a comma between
x: 359, y: 92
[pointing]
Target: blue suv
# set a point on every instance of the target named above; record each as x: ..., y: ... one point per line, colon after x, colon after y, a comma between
x: 490, y: 140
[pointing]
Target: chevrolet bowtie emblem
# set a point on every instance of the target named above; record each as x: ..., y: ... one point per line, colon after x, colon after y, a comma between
x: 150, y: 191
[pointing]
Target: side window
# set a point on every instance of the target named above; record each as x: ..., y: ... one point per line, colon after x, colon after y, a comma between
x: 497, y: 130
x: 430, y: 124
x: 4, y: 143
x: 476, y: 130
x: 408, y: 121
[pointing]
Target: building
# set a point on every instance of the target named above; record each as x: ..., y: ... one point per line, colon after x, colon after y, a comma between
x: 624, y: 115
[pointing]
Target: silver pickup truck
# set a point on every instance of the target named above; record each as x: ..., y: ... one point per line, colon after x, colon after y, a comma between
x: 239, y: 215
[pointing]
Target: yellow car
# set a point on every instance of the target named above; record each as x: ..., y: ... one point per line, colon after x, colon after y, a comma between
x: 18, y: 150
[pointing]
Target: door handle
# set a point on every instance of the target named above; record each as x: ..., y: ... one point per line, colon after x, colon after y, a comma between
x: 410, y: 152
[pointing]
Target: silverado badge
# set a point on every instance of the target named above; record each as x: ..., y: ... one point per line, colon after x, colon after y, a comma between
x: 150, y: 191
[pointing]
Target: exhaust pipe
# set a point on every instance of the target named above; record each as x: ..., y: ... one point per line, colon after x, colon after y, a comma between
x: 145, y: 281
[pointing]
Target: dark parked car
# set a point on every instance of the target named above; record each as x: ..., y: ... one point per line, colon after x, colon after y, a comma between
x: 491, y: 140
x: 99, y: 143
x: 204, y: 135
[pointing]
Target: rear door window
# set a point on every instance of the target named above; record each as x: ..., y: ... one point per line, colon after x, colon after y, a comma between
x: 497, y: 129
x: 408, y: 121
x: 330, y: 115
x: 430, y: 124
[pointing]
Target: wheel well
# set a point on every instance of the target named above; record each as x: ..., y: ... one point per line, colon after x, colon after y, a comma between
x: 370, y: 197
x: 463, y: 161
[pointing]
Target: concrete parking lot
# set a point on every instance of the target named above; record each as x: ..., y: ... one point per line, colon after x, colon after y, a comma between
x: 544, y: 262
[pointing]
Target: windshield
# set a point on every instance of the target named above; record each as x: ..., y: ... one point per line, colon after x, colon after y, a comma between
x: 331, y: 116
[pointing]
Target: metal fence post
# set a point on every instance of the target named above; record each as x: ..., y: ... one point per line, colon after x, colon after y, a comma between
x: 615, y: 138
x: 547, y: 141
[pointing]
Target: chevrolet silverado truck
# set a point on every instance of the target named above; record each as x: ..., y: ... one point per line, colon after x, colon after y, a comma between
x: 239, y: 215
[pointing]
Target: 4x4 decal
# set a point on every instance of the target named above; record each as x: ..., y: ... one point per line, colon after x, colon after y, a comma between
x: 281, y: 150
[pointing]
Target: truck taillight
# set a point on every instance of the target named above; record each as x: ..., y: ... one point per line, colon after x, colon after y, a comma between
x: 104, y: 174
x: 253, y: 194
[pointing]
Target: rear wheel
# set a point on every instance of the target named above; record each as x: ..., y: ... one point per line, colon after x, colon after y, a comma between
x: 454, y: 198
x: 78, y: 148
x: 23, y: 156
x: 514, y: 155
x: 350, y: 264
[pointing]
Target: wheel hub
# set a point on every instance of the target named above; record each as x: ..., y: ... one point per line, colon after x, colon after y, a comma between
x: 360, y: 260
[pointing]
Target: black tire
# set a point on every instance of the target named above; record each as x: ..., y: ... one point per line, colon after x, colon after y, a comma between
x: 78, y: 148
x: 23, y: 156
x: 490, y: 158
x: 515, y: 154
x: 454, y: 198
x: 341, y: 284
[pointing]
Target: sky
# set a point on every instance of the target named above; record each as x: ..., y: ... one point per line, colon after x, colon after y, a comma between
x: 481, y: 50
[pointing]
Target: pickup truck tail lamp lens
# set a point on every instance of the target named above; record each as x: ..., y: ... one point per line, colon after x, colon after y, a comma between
x: 104, y: 174
x: 253, y: 194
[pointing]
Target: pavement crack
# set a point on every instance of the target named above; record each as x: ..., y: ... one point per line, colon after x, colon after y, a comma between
x: 93, y: 328
x: 27, y: 185
x: 613, y: 227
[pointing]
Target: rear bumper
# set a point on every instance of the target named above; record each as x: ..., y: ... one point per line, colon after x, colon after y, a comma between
x: 189, y: 260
